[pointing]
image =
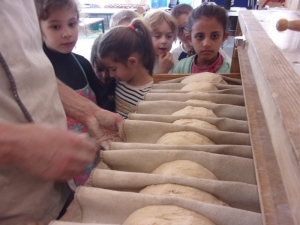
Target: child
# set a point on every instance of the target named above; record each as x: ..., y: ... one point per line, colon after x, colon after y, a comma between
x: 108, y: 84
x: 128, y: 53
x: 181, y: 13
x: 59, y: 27
x: 207, y: 26
x: 163, y: 28
x: 123, y: 17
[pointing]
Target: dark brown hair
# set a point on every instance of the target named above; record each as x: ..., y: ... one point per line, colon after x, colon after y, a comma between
x: 122, y: 41
x: 45, y: 7
x: 180, y: 9
x: 208, y: 10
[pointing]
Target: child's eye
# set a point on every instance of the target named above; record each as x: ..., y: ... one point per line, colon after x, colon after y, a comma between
x: 55, y: 27
x: 199, y: 37
x: 215, y: 36
x: 170, y: 36
x: 73, y: 24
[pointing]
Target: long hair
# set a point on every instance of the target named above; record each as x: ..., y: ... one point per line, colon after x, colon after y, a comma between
x: 45, y: 7
x: 122, y: 41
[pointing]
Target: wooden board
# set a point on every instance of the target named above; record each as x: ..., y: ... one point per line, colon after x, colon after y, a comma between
x: 278, y: 88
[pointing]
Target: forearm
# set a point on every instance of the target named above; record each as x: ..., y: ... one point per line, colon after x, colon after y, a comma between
x: 76, y: 106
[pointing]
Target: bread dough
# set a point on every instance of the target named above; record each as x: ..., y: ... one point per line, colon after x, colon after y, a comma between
x: 200, y: 87
x: 182, y: 191
x: 166, y: 215
x: 184, y: 138
x: 184, y: 168
x: 198, y: 101
x: 195, y: 123
x: 194, y: 111
x: 204, y: 77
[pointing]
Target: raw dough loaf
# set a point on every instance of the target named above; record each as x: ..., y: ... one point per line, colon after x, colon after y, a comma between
x: 184, y: 138
x: 166, y: 215
x: 198, y: 101
x: 194, y: 111
x: 182, y: 191
x: 195, y: 123
x: 204, y: 77
x: 200, y: 87
x: 184, y: 168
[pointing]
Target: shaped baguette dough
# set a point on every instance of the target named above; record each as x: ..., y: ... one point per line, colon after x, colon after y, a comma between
x: 200, y: 87
x: 184, y: 138
x: 195, y: 123
x: 184, y: 168
x: 182, y: 191
x: 166, y: 215
x: 194, y: 111
x: 204, y: 77
x: 198, y: 101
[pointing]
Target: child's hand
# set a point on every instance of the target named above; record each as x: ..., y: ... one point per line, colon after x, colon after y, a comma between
x: 166, y: 62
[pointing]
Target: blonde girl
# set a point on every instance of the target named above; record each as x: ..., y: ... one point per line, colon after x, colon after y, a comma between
x: 163, y: 28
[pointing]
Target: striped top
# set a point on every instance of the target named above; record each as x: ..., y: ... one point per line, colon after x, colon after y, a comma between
x: 127, y: 97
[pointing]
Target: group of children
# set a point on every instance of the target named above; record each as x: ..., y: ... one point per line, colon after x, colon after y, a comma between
x: 124, y: 59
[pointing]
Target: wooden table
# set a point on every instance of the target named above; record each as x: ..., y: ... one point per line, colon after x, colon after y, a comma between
x: 87, y: 22
x: 269, y: 67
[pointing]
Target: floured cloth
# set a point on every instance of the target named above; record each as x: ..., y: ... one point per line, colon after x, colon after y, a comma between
x: 176, y: 87
x: 224, y: 124
x: 138, y: 131
x: 74, y: 223
x: 229, y: 80
x: 235, y: 91
x: 168, y: 107
x: 235, y: 150
x: 235, y: 194
x: 224, y: 167
x: 216, y: 98
x: 97, y: 205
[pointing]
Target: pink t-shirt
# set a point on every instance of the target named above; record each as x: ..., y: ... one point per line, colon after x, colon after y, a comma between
x: 213, y: 68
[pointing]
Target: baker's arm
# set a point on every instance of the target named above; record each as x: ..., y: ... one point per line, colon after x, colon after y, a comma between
x: 45, y: 151
x: 102, y: 125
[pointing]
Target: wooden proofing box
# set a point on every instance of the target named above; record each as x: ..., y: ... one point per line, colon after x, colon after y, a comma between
x: 269, y: 68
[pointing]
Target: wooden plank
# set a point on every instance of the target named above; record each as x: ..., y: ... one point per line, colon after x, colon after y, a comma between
x: 279, y: 92
x: 273, y: 199
x: 163, y: 77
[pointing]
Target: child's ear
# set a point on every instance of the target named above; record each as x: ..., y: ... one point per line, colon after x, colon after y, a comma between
x: 188, y: 38
x: 132, y: 62
x: 225, y: 36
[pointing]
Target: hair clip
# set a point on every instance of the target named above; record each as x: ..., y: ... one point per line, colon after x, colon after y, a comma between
x: 131, y: 26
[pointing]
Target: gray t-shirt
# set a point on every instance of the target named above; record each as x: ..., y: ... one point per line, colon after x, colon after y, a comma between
x: 23, y: 196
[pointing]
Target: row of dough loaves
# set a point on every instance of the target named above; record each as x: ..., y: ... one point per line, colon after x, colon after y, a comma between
x: 170, y: 214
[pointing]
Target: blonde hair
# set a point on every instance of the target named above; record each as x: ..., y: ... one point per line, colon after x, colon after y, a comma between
x: 124, y: 15
x: 154, y: 20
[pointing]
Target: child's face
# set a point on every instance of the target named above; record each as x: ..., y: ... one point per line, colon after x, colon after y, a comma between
x: 118, y: 70
x: 162, y: 39
x: 60, y: 30
x: 181, y: 21
x: 207, y: 37
x: 102, y: 73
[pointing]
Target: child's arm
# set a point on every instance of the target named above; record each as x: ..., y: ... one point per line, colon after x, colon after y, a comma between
x: 102, y: 125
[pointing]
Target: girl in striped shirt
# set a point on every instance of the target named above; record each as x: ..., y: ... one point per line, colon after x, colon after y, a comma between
x: 128, y: 54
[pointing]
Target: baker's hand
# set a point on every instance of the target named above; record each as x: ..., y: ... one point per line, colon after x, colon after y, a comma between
x: 105, y: 126
x: 166, y: 62
x: 50, y: 152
